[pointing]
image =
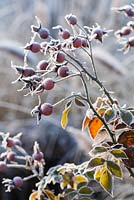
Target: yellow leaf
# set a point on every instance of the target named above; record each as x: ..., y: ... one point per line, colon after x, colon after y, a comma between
x: 97, y: 174
x: 50, y: 194
x: 106, y: 181
x: 64, y: 118
x: 80, y: 178
x: 94, y: 126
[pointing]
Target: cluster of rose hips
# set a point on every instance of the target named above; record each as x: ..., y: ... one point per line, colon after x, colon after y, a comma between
x: 126, y: 31
x: 57, y: 61
x: 9, y: 158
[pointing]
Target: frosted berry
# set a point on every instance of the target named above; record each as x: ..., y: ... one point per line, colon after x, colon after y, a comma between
x: 71, y: 19
x: 42, y: 65
x: 65, y: 34
x: 46, y: 109
x: 28, y: 72
x: 99, y: 33
x: 131, y: 41
x: 77, y: 42
x: 43, y: 33
x: 10, y: 142
x: 11, y: 156
x: 35, y: 47
x: 38, y: 156
x: 84, y: 42
x: 63, y: 71
x: 48, y: 84
x: 3, y: 166
x: 17, y: 181
x: 60, y: 57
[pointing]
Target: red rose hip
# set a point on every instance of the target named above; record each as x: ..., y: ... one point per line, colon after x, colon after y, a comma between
x: 77, y: 42
x: 42, y: 65
x: 38, y: 156
x: 46, y: 109
x: 71, y: 19
x: 43, y: 33
x: 65, y: 34
x: 63, y: 71
x: 48, y: 84
x: 60, y: 57
x: 17, y: 181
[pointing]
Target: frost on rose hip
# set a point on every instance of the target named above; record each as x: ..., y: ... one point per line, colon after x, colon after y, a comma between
x: 11, y: 156
x: 46, y: 109
x: 65, y: 34
x: 60, y: 57
x: 38, y: 156
x: 71, y: 19
x: 34, y: 47
x: 48, y: 84
x: 42, y: 65
x: 17, y: 181
x: 63, y: 71
x: 77, y: 42
x: 43, y: 33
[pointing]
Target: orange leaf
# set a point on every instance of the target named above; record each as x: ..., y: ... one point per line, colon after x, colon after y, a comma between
x: 33, y: 196
x: 94, y: 126
x: 85, y: 122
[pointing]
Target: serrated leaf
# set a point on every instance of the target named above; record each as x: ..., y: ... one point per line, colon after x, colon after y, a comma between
x: 106, y: 182
x: 118, y: 153
x: 85, y: 190
x: 126, y: 116
x: 97, y: 150
x: 64, y: 118
x: 114, y: 169
x: 79, y: 102
x: 109, y: 115
x: 94, y: 126
x: 94, y: 162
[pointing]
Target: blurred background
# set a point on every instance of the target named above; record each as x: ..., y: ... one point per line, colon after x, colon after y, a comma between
x: 16, y: 17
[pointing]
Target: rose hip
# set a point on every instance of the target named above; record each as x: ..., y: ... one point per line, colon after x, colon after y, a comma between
x: 38, y: 156
x: 17, y: 181
x: 43, y: 33
x: 60, y: 57
x: 48, y: 84
x: 42, y: 65
x: 77, y: 42
x: 63, y: 71
x: 65, y: 34
x: 3, y: 166
x: 46, y: 109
